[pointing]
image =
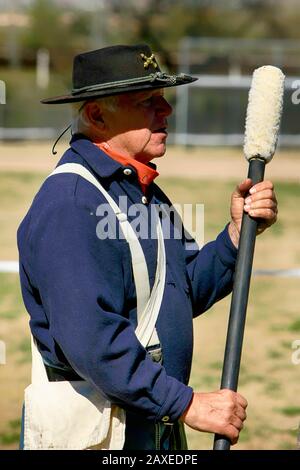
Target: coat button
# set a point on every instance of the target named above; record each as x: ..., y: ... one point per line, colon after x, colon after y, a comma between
x: 127, y: 171
x: 144, y: 200
x: 166, y: 419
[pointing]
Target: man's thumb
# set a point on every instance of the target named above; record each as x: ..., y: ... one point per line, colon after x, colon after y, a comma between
x: 243, y: 188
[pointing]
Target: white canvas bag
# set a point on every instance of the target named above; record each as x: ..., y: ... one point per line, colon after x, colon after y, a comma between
x: 75, y: 415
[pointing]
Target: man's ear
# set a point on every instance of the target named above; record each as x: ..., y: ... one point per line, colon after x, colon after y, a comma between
x: 94, y: 114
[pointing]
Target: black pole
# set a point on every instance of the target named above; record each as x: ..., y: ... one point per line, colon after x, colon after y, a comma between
x: 239, y: 300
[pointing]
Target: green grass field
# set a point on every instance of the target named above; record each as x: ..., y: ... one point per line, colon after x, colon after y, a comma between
x: 269, y: 379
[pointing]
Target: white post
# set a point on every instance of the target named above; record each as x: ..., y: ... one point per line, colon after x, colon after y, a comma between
x: 2, y: 353
x: 42, y: 68
x: 182, y: 97
x: 2, y: 92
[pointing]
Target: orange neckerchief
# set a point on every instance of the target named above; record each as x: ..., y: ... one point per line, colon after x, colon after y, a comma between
x: 145, y: 173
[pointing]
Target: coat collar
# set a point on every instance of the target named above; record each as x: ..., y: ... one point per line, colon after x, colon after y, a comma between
x: 100, y: 162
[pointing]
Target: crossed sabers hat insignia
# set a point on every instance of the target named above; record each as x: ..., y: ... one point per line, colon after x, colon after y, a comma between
x: 149, y: 61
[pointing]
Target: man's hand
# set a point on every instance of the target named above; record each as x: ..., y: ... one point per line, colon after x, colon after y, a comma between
x: 259, y: 201
x: 221, y: 412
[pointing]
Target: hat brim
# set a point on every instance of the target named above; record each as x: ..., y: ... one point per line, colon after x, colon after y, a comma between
x: 104, y: 91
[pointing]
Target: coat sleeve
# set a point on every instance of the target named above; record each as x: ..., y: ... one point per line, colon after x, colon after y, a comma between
x: 210, y: 271
x: 82, y: 285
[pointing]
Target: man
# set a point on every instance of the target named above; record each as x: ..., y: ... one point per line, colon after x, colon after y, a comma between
x: 78, y: 285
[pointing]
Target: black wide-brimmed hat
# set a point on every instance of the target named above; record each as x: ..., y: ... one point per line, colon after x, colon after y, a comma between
x: 114, y: 70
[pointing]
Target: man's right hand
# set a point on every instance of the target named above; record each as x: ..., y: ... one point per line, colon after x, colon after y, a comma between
x: 221, y: 412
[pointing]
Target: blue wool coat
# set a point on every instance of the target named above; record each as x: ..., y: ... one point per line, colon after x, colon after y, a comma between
x: 80, y: 294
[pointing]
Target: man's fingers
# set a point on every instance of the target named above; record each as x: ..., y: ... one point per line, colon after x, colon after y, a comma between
x: 233, y: 428
x: 222, y: 412
x: 232, y: 433
x: 259, y: 201
x: 256, y: 190
x: 261, y: 204
x: 237, y: 396
x: 241, y: 413
x: 242, y: 402
x: 237, y: 422
x: 261, y: 186
x: 266, y: 214
x: 246, y: 186
x: 243, y: 188
x: 259, y: 195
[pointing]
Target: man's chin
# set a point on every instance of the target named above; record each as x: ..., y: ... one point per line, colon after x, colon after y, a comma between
x: 161, y: 151
x: 158, y: 153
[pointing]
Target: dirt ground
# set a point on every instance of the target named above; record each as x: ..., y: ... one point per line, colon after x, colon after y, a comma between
x: 194, y: 162
x: 269, y: 379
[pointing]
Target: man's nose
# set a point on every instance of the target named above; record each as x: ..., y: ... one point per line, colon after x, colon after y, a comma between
x: 163, y: 107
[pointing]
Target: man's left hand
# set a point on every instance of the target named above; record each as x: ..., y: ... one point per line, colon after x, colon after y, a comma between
x: 258, y: 200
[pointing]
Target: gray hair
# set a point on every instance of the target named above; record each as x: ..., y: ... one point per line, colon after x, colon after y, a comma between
x: 80, y: 123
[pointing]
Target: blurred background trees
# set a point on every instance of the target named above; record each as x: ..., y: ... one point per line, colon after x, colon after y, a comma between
x: 68, y: 26
x: 35, y: 32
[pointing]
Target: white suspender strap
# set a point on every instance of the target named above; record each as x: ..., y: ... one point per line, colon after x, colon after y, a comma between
x: 148, y: 306
x: 139, y: 266
x: 146, y: 326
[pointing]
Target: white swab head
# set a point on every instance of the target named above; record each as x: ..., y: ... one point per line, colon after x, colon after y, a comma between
x: 264, y: 112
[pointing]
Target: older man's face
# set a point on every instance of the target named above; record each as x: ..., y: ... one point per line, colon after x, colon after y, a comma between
x: 138, y: 129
